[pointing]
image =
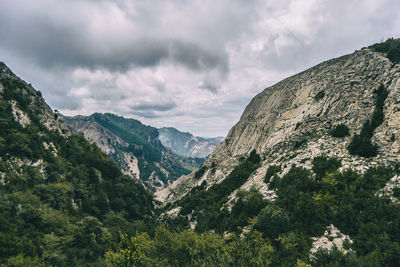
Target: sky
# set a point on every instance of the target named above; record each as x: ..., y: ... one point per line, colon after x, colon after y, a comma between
x: 193, y: 65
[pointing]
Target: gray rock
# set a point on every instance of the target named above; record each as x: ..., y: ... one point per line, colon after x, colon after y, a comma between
x: 287, y: 124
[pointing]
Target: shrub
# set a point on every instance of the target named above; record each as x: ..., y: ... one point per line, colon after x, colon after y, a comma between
x: 323, y: 165
x: 319, y: 95
x: 272, y: 221
x: 340, y: 130
x: 391, y: 49
x: 200, y: 172
x: 394, y: 55
x: 272, y: 170
x: 361, y: 143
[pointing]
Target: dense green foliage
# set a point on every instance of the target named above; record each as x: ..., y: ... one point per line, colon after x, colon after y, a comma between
x: 200, y: 172
x: 187, y: 248
x: 391, y: 49
x: 306, y: 203
x: 271, y: 171
x: 340, y: 130
x: 361, y: 144
x: 206, y: 204
x: 60, y: 208
x: 319, y: 95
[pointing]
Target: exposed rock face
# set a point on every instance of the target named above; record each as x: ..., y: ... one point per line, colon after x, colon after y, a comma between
x: 96, y: 133
x: 186, y: 144
x: 134, y: 146
x: 391, y: 189
x: 288, y: 123
x: 332, y: 238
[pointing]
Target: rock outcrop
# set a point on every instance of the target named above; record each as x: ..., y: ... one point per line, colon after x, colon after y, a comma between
x: 289, y: 122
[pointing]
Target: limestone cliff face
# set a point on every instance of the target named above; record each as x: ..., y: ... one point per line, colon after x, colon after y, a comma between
x: 288, y: 123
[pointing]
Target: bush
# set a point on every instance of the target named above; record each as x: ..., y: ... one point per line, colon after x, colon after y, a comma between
x: 319, y: 95
x: 200, y: 172
x: 340, y: 130
x: 272, y: 221
x: 394, y: 55
x: 323, y: 165
x: 391, y: 49
x: 272, y: 170
x: 361, y: 144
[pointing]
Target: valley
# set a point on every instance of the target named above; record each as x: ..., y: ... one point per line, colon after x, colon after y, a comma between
x: 309, y: 176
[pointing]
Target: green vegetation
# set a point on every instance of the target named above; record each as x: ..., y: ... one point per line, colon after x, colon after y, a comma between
x: 59, y: 210
x: 187, y: 248
x: 206, y: 204
x: 304, y: 207
x: 319, y: 95
x: 391, y: 49
x: 340, y: 130
x: 200, y: 172
x: 361, y: 143
x: 272, y: 170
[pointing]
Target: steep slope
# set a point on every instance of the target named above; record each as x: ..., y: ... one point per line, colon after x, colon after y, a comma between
x: 289, y: 122
x: 313, y: 166
x: 135, y: 147
x: 186, y: 144
x: 62, y: 202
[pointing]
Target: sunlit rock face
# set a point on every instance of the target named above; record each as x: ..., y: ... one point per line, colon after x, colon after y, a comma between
x: 289, y: 122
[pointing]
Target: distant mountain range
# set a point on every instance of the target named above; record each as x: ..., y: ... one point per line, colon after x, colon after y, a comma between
x: 186, y: 144
x: 135, y: 147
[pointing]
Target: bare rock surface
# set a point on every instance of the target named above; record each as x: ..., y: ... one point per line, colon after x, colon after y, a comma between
x: 288, y: 123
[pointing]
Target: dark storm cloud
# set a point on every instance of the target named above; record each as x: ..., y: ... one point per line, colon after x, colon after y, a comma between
x: 152, y: 109
x: 155, y: 107
x: 193, y: 65
x: 196, y: 58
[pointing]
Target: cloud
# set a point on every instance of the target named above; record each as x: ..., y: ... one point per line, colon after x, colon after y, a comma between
x: 193, y: 65
x: 103, y: 34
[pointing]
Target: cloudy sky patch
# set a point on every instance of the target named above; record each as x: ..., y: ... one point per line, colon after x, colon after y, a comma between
x: 193, y: 65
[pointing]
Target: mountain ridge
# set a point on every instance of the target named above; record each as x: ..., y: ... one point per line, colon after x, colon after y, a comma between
x: 187, y: 144
x: 135, y: 147
x: 276, y: 122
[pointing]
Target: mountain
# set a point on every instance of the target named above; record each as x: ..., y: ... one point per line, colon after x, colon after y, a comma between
x: 290, y: 122
x: 313, y: 166
x: 186, y: 144
x: 135, y: 147
x: 62, y: 201
x: 309, y: 176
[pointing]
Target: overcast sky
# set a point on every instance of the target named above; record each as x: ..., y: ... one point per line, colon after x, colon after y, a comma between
x: 193, y: 65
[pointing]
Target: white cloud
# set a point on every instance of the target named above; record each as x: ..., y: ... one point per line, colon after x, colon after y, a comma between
x: 193, y: 65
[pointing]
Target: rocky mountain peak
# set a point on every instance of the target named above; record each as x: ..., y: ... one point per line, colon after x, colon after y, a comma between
x: 289, y: 122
